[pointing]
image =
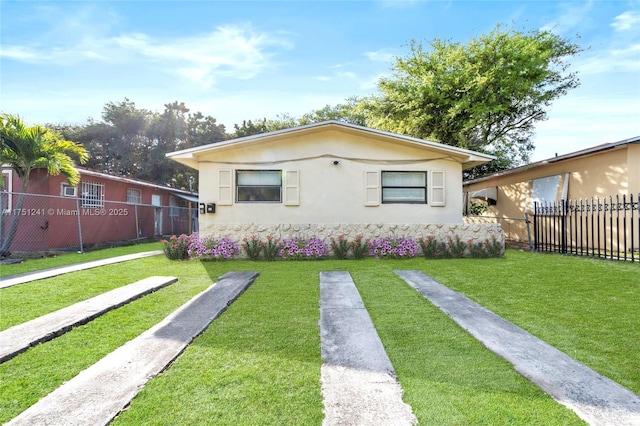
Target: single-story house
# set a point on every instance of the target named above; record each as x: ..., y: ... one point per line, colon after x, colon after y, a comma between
x: 603, y: 171
x: 101, y: 208
x: 331, y: 178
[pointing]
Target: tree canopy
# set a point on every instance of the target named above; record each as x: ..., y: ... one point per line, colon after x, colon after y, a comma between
x: 130, y: 141
x: 485, y: 95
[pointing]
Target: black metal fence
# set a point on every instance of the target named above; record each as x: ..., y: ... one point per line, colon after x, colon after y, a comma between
x: 607, y: 228
x: 41, y: 223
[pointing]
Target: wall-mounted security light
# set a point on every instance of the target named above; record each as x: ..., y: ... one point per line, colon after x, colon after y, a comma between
x: 202, y: 208
x: 336, y: 162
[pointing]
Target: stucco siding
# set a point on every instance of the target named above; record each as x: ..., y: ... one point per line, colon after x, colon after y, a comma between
x: 328, y: 192
x: 600, y: 174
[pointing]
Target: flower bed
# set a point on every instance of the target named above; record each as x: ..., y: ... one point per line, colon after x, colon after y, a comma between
x: 254, y: 248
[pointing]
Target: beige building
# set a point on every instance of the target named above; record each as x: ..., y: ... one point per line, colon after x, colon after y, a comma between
x: 602, y: 171
x: 332, y: 178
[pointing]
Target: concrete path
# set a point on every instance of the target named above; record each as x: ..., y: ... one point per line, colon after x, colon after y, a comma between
x: 595, y: 398
x: 52, y: 272
x: 20, y: 337
x: 358, y: 381
x: 96, y: 395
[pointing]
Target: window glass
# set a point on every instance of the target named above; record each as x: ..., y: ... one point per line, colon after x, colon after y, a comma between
x: 404, y: 187
x: 546, y: 189
x: 404, y: 179
x: 92, y: 194
x: 259, y: 186
x: 134, y: 196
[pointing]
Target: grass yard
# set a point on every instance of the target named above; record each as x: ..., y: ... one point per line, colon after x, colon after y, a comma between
x: 69, y: 258
x: 259, y: 363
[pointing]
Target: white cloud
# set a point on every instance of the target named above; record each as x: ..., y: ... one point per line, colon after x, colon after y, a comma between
x: 626, y: 21
x: 572, y: 16
x: 238, y: 52
x: 382, y: 55
x: 614, y: 61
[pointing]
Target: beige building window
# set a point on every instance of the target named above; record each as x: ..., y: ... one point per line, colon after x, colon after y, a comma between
x: 404, y: 187
x: 256, y: 186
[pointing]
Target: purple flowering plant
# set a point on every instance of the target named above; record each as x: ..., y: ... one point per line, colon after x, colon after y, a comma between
x: 209, y: 248
x: 389, y: 248
x: 296, y: 249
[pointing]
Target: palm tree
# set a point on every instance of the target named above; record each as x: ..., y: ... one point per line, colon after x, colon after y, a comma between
x: 27, y: 148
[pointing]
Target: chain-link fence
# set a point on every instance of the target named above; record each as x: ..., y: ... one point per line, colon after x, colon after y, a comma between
x: 41, y: 223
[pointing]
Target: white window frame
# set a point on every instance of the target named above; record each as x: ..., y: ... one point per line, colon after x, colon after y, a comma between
x: 68, y: 191
x: 239, y: 186
x: 384, y: 187
x: 92, y: 194
x: 8, y: 189
x: 134, y: 199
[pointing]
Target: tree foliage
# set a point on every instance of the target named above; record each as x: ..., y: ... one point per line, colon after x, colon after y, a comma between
x: 486, y: 95
x: 130, y: 141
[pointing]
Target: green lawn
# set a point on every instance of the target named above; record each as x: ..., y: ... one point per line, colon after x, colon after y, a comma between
x: 68, y: 258
x: 259, y: 363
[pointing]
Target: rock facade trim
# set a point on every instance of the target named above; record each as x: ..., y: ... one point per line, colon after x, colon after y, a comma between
x: 477, y: 232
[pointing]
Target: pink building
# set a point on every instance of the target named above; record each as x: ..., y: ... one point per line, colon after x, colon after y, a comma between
x: 101, y: 209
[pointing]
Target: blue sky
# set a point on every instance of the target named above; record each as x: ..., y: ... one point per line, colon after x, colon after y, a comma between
x: 62, y: 61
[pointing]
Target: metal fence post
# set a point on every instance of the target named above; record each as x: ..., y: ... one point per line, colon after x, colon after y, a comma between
x: 79, y: 225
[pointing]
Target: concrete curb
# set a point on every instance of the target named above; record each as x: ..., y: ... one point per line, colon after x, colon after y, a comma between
x: 96, y: 395
x: 52, y: 272
x: 593, y: 397
x: 20, y: 337
x: 359, y: 386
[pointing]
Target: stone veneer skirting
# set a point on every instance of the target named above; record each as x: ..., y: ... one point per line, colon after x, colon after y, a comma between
x: 478, y: 232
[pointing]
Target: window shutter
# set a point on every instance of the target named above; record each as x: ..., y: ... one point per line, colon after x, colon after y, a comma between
x: 291, y: 187
x: 225, y: 187
x: 371, y: 188
x: 437, y: 190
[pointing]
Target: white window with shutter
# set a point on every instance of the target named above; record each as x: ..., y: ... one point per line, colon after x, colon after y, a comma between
x: 371, y: 188
x: 291, y: 187
x: 225, y: 187
x: 404, y: 187
x: 437, y: 188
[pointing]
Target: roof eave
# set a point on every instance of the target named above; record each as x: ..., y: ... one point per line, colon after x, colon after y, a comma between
x: 193, y: 153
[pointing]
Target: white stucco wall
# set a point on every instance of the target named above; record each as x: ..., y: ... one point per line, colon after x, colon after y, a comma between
x: 328, y: 193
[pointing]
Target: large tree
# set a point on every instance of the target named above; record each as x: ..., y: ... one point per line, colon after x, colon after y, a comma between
x: 27, y: 148
x: 485, y: 95
x: 133, y: 142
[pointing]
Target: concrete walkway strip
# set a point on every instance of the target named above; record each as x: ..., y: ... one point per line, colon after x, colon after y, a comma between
x: 52, y: 272
x: 96, y: 395
x: 20, y: 337
x: 359, y: 386
x: 595, y: 398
